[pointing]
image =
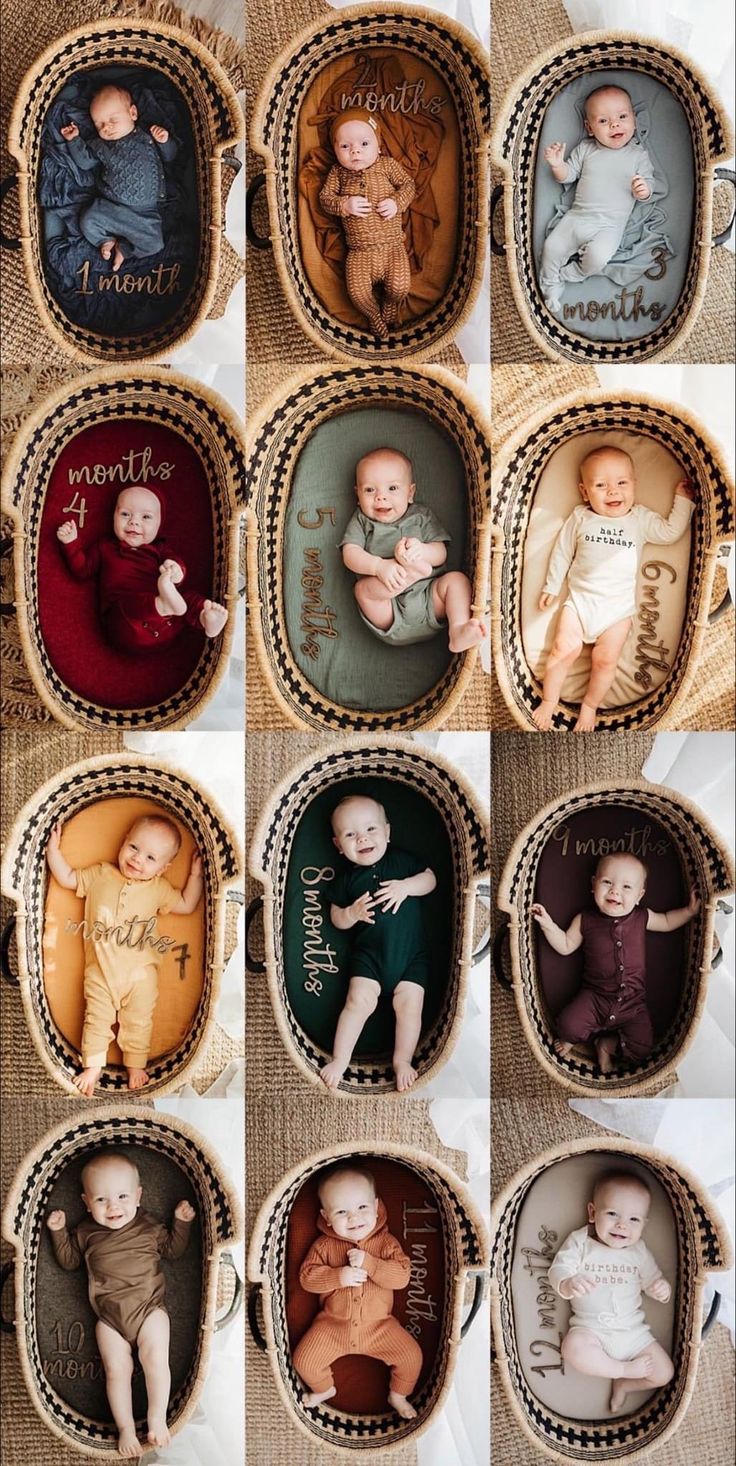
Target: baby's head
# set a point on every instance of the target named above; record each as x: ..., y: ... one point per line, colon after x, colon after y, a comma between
x: 137, y: 517
x: 384, y: 484
x: 148, y: 848
x: 609, y: 117
x: 619, y: 1209
x: 348, y: 1202
x: 113, y: 113
x: 608, y: 482
x: 360, y: 829
x: 356, y: 139
x: 112, y: 1188
x: 619, y: 884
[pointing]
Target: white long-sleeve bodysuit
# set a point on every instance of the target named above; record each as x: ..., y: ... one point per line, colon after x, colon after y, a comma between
x: 595, y: 222
x: 600, y: 557
x: 613, y: 1310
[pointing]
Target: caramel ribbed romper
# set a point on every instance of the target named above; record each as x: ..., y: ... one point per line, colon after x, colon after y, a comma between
x: 376, y: 252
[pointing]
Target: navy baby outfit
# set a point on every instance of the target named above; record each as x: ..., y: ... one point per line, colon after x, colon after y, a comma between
x: 132, y: 191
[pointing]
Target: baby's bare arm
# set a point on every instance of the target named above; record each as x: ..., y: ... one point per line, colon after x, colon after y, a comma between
x: 361, y: 562
x: 410, y: 550
x: 669, y: 921
x: 345, y: 917
x: 58, y: 864
x: 191, y: 895
x: 563, y: 942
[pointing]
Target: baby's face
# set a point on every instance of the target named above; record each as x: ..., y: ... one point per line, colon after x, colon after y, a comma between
x: 137, y: 517
x: 607, y: 483
x: 350, y: 1207
x: 112, y: 1193
x: 619, y: 1213
x: 356, y: 145
x: 113, y: 114
x: 145, y: 852
x: 360, y: 831
x: 609, y: 117
x: 384, y: 487
x: 618, y: 885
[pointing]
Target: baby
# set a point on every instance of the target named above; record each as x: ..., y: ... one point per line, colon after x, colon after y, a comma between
x: 140, y: 606
x: 396, y: 548
x: 611, y: 1006
x: 608, y: 1333
x: 370, y: 193
x: 121, y: 903
x: 599, y: 548
x: 377, y: 893
x: 613, y: 171
x: 355, y: 1266
x: 125, y: 218
x: 122, y: 1249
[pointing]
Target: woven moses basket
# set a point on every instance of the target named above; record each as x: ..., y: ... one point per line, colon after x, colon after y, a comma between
x: 675, y: 582
x: 53, y: 1319
x: 300, y: 498
x: 544, y: 1201
x: 71, y: 457
x: 292, y: 856
x: 434, y: 1218
x: 426, y: 78
x: 215, y: 123
x: 642, y: 316
x: 553, y: 861
x: 115, y: 790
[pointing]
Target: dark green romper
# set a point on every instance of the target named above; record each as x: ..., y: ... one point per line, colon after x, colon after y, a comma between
x: 394, y: 949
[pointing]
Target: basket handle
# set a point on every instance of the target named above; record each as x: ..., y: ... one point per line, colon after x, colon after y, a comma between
x: 230, y: 161
x: 253, y: 964
x: 717, y: 956
x: 236, y: 1302
x: 6, y: 1324
x: 259, y: 241
x: 253, y: 1322
x: 497, y: 248
x: 238, y: 896
x: 713, y: 1312
x: 725, y: 175
x: 5, y: 240
x: 475, y: 1305
x: 502, y: 935
x: 484, y: 889
x: 5, y: 940
x: 727, y: 601
x: 6, y: 545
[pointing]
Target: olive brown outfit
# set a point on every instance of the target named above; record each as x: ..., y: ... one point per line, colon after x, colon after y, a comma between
x: 376, y: 252
x: 123, y: 1266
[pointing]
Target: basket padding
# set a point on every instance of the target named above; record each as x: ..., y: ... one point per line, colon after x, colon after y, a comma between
x: 338, y: 653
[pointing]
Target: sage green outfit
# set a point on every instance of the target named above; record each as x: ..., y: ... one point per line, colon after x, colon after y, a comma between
x: 415, y: 618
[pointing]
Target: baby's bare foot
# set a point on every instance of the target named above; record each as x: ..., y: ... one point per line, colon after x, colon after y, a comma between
x: 542, y: 716
x: 618, y: 1394
x: 467, y: 634
x: 638, y: 1368
x: 332, y: 1074
x: 169, y: 601
x: 158, y: 1433
x: 605, y: 1049
x: 405, y: 1075
x: 117, y: 260
x: 128, y: 1443
x: 563, y: 1048
x: 107, y: 247
x: 86, y: 1081
x: 315, y: 1399
x: 401, y: 1405
x: 137, y: 1078
x: 586, y: 719
x: 213, y: 617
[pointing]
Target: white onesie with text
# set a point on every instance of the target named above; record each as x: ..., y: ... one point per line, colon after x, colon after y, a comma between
x: 613, y: 1310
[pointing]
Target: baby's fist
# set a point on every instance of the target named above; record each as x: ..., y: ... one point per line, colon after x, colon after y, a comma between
x: 67, y: 532
x: 70, y: 131
x: 660, y: 1291
x: 693, y: 904
x: 639, y: 187
x: 684, y: 489
x: 555, y: 154
x: 387, y: 208
x: 356, y: 1257
x: 184, y: 1212
x: 56, y: 1220
x: 545, y: 600
x: 159, y: 134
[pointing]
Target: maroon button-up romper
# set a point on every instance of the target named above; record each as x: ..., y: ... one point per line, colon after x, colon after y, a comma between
x: 612, y: 998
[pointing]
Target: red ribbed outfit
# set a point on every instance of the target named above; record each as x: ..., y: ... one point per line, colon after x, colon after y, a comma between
x: 127, y: 580
x: 613, y: 996
x: 356, y: 1320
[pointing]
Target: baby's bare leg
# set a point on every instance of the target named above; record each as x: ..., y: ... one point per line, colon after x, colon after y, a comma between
x: 566, y: 649
x: 153, y: 1352
x: 452, y: 596
x: 117, y: 1362
x: 659, y: 1371
x: 408, y: 1002
x: 584, y: 1351
x: 605, y: 659
x: 362, y: 1000
x: 169, y: 601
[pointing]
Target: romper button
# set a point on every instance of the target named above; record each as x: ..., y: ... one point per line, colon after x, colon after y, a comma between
x: 618, y: 944
x: 145, y: 626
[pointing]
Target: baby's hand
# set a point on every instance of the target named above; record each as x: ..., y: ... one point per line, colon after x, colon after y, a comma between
x: 408, y: 550
x: 184, y: 1212
x: 391, y: 895
x: 195, y: 868
x: 159, y: 134
x: 67, y: 532
x: 55, y: 836
x: 70, y: 131
x: 387, y: 208
x: 56, y: 1220
x: 361, y: 909
x: 545, y: 600
x: 352, y: 1277
x: 684, y: 489
x: 541, y: 914
x: 357, y: 205
x: 693, y: 904
x: 660, y: 1291
x: 392, y: 575
x: 554, y: 155
x: 173, y: 570
x: 356, y: 1257
x: 576, y: 1286
x: 639, y: 187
